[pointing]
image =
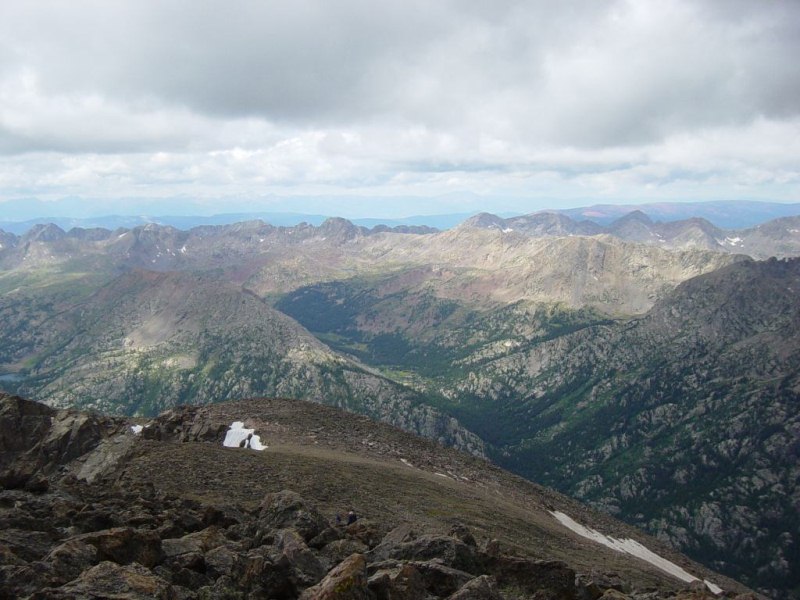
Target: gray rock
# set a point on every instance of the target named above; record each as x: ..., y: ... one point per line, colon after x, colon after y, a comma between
x: 403, y: 582
x: 71, y: 558
x: 287, y: 510
x: 450, y: 551
x: 348, y: 581
x: 306, y: 567
x: 480, y: 588
x: 124, y: 545
x: 110, y: 580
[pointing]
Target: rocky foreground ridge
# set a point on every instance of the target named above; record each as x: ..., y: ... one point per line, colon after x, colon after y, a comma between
x: 93, y: 507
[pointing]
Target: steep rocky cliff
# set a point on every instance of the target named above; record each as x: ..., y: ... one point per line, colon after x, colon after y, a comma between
x: 684, y: 421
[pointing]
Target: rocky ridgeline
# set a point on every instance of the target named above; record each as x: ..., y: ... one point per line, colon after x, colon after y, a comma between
x: 91, y: 541
x: 67, y: 530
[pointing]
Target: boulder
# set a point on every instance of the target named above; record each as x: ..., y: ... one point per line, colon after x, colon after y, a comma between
x: 199, y: 542
x: 20, y: 581
x: 365, y: 531
x: 266, y: 572
x: 592, y: 587
x: 185, y: 424
x: 450, y: 551
x: 287, y: 510
x: 480, y: 588
x: 534, y: 575
x: 348, y: 581
x: 71, y: 558
x: 439, y: 579
x: 328, y: 535
x: 306, y: 567
x: 221, y: 561
x: 403, y: 582
x: 124, y: 545
x: 399, y: 535
x: 461, y: 532
x: 25, y: 544
x: 110, y: 580
x: 337, y: 551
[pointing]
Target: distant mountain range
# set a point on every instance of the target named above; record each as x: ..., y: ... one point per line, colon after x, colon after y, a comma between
x: 648, y: 368
x: 779, y: 237
x: 722, y: 214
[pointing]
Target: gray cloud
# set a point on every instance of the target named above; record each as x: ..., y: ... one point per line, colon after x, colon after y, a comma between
x: 352, y: 92
x: 310, y: 60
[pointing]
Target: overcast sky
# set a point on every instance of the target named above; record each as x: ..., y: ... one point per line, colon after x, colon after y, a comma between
x: 513, y: 106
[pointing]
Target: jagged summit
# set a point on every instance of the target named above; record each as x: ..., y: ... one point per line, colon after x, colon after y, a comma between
x: 175, y: 507
x: 44, y: 233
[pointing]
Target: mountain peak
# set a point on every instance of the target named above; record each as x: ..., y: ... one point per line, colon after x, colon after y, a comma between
x: 485, y: 220
x: 635, y: 216
x: 339, y: 228
x: 45, y: 232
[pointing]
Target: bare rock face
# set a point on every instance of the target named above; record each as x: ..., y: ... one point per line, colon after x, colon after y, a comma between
x: 37, y: 439
x: 184, y: 424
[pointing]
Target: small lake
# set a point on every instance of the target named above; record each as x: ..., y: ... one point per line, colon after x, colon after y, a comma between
x: 11, y: 377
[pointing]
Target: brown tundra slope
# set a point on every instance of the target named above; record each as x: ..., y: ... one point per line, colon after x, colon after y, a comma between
x: 175, y: 507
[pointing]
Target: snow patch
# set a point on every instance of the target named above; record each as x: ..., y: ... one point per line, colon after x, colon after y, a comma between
x: 183, y: 249
x: 715, y: 589
x: 443, y: 475
x: 405, y: 462
x: 238, y: 434
x: 136, y: 429
x: 632, y: 547
x: 733, y: 241
x: 507, y: 230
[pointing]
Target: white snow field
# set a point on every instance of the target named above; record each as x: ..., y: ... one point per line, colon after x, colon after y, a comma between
x: 238, y: 434
x: 632, y: 547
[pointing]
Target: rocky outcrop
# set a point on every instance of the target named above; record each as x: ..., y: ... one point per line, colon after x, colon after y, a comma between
x: 36, y: 440
x: 122, y: 534
x: 262, y: 555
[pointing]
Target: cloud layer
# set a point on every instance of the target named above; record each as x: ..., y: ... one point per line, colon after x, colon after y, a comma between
x: 580, y: 99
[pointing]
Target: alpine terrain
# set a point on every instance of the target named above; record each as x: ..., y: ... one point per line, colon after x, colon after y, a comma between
x: 649, y: 369
x: 272, y: 498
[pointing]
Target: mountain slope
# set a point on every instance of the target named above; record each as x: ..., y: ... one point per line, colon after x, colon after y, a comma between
x: 779, y: 238
x: 684, y: 421
x: 202, y: 519
x: 148, y: 341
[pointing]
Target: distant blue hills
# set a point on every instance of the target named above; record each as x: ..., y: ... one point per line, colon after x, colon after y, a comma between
x: 723, y: 214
